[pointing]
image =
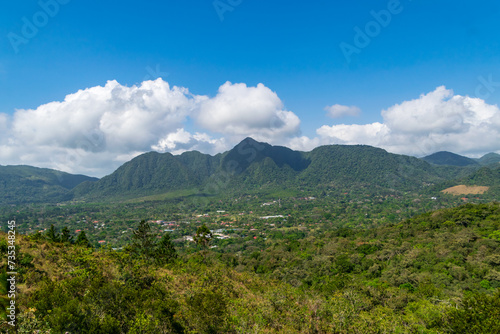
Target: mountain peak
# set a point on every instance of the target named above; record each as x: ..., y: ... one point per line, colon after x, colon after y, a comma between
x: 250, y: 151
x: 450, y: 159
x: 251, y: 141
x: 489, y: 159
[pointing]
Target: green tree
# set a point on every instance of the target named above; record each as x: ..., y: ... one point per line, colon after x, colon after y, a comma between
x: 143, y: 241
x: 165, y: 250
x: 52, y: 235
x: 66, y: 236
x: 479, y: 314
x: 82, y: 240
x: 203, y: 236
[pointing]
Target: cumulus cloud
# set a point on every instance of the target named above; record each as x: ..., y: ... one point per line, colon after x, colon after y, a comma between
x: 182, y: 141
x: 95, y: 130
x: 435, y: 121
x: 238, y: 110
x: 113, y: 117
x: 304, y: 143
x: 338, y: 111
x: 374, y: 133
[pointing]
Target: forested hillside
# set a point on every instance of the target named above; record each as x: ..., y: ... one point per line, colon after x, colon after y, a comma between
x: 26, y: 184
x: 485, y: 176
x: 435, y: 273
x: 148, y: 174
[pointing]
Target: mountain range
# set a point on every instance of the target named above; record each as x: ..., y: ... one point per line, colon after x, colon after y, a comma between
x: 248, y: 167
x: 252, y: 166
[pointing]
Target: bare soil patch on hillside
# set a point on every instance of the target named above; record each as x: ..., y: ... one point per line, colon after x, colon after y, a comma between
x: 466, y: 190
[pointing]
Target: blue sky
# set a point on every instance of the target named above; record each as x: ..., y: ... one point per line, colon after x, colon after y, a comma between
x: 293, y: 48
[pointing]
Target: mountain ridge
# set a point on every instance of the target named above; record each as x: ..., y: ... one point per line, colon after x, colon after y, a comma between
x: 250, y: 166
x: 253, y: 166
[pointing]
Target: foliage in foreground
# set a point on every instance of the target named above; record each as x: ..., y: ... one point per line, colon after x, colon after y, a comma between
x: 374, y: 281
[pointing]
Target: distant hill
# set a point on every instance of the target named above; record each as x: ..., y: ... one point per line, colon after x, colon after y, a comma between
x: 251, y: 165
x: 250, y: 151
x: 248, y: 164
x: 450, y: 159
x: 484, y: 176
x: 489, y: 159
x: 26, y: 184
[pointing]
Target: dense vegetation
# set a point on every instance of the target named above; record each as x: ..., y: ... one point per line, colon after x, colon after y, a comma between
x: 438, y: 272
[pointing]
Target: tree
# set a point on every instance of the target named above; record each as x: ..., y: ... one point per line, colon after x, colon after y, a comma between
x: 165, y: 250
x: 52, y: 235
x: 203, y: 236
x: 479, y: 314
x: 66, y: 236
x: 82, y: 240
x: 143, y: 240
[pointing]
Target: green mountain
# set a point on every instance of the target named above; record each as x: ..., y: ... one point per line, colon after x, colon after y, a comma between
x: 489, y: 159
x: 26, y: 184
x: 451, y: 159
x: 254, y: 166
x: 485, y: 177
x: 250, y: 151
x: 349, y: 165
x: 151, y: 173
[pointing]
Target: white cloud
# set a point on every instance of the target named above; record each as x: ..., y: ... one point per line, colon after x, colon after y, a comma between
x: 435, y: 121
x: 182, y: 141
x: 347, y: 134
x: 92, y: 128
x: 338, y: 111
x: 303, y: 143
x: 241, y: 111
x: 113, y: 117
